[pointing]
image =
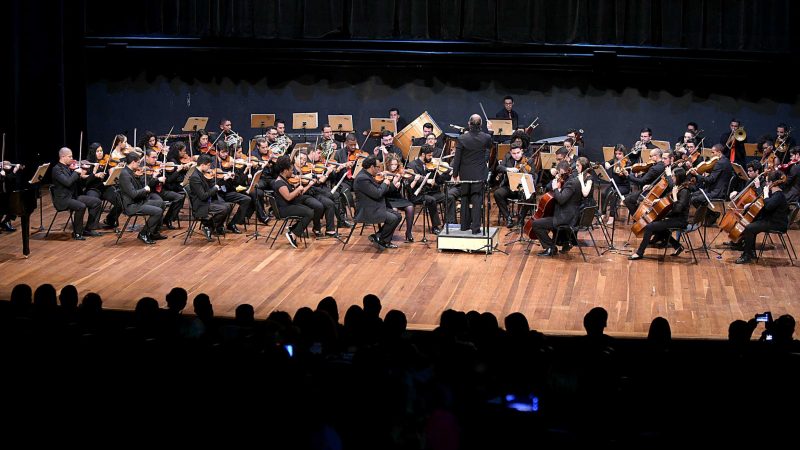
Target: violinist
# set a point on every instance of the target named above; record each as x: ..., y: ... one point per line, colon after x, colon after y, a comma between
x: 427, y: 130
x: 398, y: 184
x: 643, y: 182
x: 66, y: 176
x: 732, y: 148
x: 159, y: 190
x: 386, y: 147
x: 120, y: 148
x: 263, y: 159
x: 513, y: 162
x: 773, y: 216
x: 768, y: 158
x: 643, y: 144
x: 676, y: 218
x: 372, y: 208
x: 715, y: 183
x: 453, y: 192
x: 321, y: 188
x: 9, y: 182
x: 178, y: 157
x: 783, y: 142
x: 563, y: 154
x: 283, y: 141
x: 207, y: 206
x: 567, y: 194
x: 692, y: 154
x: 792, y: 184
x: 232, y: 183
x: 316, y: 199
x: 93, y: 185
x: 290, y: 199
x: 577, y: 139
x: 429, y: 195
x: 203, y: 143
x: 618, y: 169
x: 151, y: 142
x: 136, y: 200
x: 348, y: 156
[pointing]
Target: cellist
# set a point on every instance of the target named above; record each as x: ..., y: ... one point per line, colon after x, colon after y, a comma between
x: 773, y: 216
x: 567, y: 194
x: 676, y: 218
x: 644, y: 181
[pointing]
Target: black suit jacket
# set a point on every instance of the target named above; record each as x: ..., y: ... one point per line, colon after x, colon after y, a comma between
x: 650, y: 176
x: 370, y: 198
x: 132, y: 190
x: 472, y: 153
x: 503, y: 114
x: 737, y: 146
x: 65, y: 185
x: 793, y: 184
x: 568, y: 199
x: 716, y: 183
x: 775, y: 211
x: 201, y: 194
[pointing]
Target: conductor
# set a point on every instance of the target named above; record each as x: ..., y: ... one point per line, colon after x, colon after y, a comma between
x: 470, y: 168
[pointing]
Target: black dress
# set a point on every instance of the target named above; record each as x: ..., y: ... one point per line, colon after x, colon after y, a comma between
x: 395, y: 197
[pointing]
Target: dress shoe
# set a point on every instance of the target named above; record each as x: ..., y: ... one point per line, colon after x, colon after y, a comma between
x: 143, y: 237
x: 566, y: 248
x: 744, y: 259
x: 219, y: 231
x: 291, y: 239
x: 635, y: 256
x: 549, y: 252
x: 657, y: 244
x: 110, y: 224
x: 387, y: 245
x: 478, y: 231
x: 7, y: 226
x: 409, y: 238
x: 207, y: 233
x: 374, y: 239
x: 346, y: 224
x: 170, y: 226
x: 91, y: 233
x: 509, y: 222
x: 678, y: 250
x: 264, y: 220
x: 317, y: 234
x: 233, y: 228
x: 157, y: 236
x: 78, y: 237
x: 436, y: 230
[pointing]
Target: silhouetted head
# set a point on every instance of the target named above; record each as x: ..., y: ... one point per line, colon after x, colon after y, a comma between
x: 595, y: 321
x: 372, y: 305
x: 660, y: 332
x: 245, y: 314
x: 177, y: 299
x: 329, y: 306
x: 517, y: 324
x: 202, y: 306
x: 394, y: 324
x: 68, y: 297
x: 21, y: 298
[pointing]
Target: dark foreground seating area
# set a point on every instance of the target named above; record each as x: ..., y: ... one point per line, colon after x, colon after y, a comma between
x: 326, y: 379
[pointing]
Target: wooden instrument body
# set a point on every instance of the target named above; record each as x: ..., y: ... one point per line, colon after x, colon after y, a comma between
x: 653, y: 207
x: 413, y: 130
x: 544, y: 208
x: 745, y: 218
x: 731, y: 217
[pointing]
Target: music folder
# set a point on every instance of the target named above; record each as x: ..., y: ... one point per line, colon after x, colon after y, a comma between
x: 195, y: 123
x: 519, y: 180
x: 262, y: 120
x: 341, y: 123
x: 254, y: 182
x: 502, y: 127
x: 39, y: 174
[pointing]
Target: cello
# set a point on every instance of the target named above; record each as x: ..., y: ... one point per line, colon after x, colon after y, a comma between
x: 747, y: 212
x: 545, y: 207
x: 653, y: 207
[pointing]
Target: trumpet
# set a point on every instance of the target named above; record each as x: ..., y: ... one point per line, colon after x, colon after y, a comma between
x: 739, y: 134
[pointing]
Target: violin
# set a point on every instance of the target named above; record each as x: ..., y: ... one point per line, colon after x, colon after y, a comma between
x: 706, y: 165
x: 642, y: 166
x: 621, y: 164
x: 356, y: 155
x: 786, y: 167
x: 208, y: 149
x: 226, y: 163
x: 217, y: 173
x: 8, y: 166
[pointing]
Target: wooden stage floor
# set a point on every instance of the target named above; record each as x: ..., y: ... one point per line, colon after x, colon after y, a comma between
x: 699, y: 300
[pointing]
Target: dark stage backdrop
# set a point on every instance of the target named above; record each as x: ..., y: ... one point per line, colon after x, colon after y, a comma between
x: 609, y: 110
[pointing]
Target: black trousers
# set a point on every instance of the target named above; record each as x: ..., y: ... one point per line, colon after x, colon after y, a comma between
x: 471, y: 206
x: 244, y: 204
x: 218, y: 212
x: 659, y: 229
x: 110, y: 196
x: 501, y: 196
x: 345, y: 196
x: 749, y: 235
x: 154, y: 209
x: 318, y: 209
x: 542, y: 227
x: 329, y: 209
x: 391, y: 221
x: 430, y: 201
x: 453, y: 193
x: 611, y: 198
x: 79, y: 206
x: 632, y: 201
x: 175, y: 200
x: 305, y: 213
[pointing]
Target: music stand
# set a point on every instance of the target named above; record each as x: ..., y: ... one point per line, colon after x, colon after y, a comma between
x: 413, y: 153
x: 253, y: 185
x: 502, y: 127
x: 195, y: 123
x: 521, y: 181
x: 305, y: 121
x: 548, y: 160
x: 341, y: 123
x: 188, y: 175
x: 739, y: 171
x: 36, y: 179
x: 262, y: 121
x: 608, y: 153
x: 502, y: 151
x: 113, y: 174
x: 378, y: 125
x: 601, y: 173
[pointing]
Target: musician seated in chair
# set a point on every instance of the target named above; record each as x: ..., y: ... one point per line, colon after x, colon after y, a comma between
x: 677, y: 217
x: 567, y: 195
x: 65, y: 196
x: 714, y: 183
x: 207, y: 205
x: 617, y: 169
x: 135, y: 200
x: 429, y: 195
x: 773, y: 216
x: 371, y: 201
x: 645, y: 181
x: 514, y: 162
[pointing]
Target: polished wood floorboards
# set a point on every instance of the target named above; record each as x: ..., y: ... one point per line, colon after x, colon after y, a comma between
x: 699, y: 300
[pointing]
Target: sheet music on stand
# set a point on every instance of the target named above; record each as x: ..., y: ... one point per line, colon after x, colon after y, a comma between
x: 113, y: 174
x: 378, y: 125
x: 740, y: 172
x: 39, y: 174
x: 305, y: 121
x: 195, y: 123
x: 261, y: 121
x: 519, y: 180
x: 341, y: 123
x: 188, y: 175
x: 254, y: 182
x: 502, y: 127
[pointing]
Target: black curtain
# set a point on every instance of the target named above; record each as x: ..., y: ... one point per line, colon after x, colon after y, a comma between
x: 692, y: 24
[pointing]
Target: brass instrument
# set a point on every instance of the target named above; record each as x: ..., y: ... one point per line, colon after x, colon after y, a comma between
x: 782, y: 146
x: 739, y: 134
